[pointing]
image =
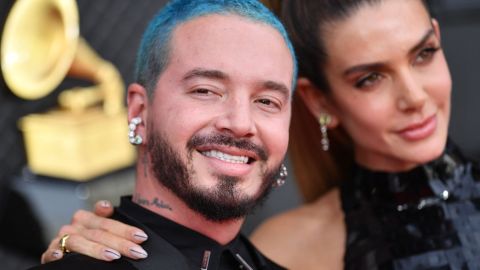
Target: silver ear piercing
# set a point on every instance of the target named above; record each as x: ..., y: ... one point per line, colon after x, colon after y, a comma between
x: 134, y: 139
x: 282, y: 176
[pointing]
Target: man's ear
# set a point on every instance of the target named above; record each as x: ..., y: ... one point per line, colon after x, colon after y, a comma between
x: 137, y: 101
x: 316, y: 101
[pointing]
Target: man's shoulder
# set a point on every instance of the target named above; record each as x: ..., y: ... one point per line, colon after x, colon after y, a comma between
x: 77, y: 261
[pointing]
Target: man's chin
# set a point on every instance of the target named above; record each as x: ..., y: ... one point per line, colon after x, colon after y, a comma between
x: 225, y: 202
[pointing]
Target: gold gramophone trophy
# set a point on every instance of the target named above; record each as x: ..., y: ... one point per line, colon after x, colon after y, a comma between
x: 86, y: 136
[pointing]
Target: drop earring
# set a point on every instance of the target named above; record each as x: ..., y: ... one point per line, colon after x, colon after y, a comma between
x: 324, y: 120
x: 134, y: 139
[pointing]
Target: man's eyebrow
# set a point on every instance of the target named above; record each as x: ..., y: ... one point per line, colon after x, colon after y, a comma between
x: 219, y: 75
x: 276, y: 86
x: 205, y: 73
x: 379, y: 65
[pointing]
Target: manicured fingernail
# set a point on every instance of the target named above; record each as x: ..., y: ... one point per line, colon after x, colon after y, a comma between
x: 141, y: 236
x: 111, y: 254
x: 138, y: 252
x: 57, y: 254
x: 105, y: 204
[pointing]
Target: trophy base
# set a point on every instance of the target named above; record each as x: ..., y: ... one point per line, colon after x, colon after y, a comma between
x: 77, y: 146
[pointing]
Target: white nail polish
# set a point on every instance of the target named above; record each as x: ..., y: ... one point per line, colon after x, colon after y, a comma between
x: 138, y: 252
x: 105, y: 204
x: 141, y: 236
x: 111, y: 254
x: 56, y: 254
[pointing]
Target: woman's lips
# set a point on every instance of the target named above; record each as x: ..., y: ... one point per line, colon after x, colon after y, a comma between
x: 421, y: 130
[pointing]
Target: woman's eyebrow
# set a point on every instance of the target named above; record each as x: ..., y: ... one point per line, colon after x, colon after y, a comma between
x: 378, y: 65
x: 422, y: 41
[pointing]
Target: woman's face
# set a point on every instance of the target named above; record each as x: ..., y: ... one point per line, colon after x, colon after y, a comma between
x: 390, y: 84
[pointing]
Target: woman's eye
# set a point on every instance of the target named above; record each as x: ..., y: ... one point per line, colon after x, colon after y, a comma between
x: 368, y: 80
x: 425, y: 55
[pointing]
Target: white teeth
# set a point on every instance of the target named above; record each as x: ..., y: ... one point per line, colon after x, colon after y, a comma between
x: 226, y: 157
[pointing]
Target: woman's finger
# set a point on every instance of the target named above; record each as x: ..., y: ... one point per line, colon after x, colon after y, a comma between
x: 103, y: 208
x: 53, y: 252
x: 79, y: 244
x: 91, y: 221
x: 126, y: 248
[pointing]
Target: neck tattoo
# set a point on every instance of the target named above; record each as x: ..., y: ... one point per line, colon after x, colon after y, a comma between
x: 154, y: 202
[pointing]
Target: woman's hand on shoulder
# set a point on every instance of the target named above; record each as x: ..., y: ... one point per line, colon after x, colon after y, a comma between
x: 97, y: 236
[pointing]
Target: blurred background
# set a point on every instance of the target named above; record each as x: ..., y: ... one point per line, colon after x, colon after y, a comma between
x: 34, y: 206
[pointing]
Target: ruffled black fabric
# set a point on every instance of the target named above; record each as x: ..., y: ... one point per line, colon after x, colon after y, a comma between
x: 427, y: 218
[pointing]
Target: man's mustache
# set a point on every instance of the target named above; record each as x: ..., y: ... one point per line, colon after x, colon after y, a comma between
x: 226, y: 140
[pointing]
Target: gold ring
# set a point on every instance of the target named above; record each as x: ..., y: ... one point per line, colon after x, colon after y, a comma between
x: 63, y: 243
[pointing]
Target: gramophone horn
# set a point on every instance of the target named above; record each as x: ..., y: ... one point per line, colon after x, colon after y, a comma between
x: 38, y: 46
x: 41, y: 45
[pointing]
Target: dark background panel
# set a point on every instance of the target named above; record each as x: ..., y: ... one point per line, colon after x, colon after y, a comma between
x: 460, y: 26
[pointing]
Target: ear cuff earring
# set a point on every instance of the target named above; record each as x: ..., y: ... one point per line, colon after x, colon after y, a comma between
x: 282, y: 176
x: 134, y: 139
x: 324, y: 120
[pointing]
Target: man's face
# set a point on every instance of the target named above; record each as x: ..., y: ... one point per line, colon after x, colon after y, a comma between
x: 218, y: 123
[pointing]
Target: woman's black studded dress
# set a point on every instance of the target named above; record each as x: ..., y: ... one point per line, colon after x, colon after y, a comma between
x: 426, y: 218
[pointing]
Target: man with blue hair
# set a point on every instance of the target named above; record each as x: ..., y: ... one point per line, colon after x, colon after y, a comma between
x: 209, y: 113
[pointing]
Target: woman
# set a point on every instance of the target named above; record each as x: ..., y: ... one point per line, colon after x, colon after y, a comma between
x: 374, y: 75
x: 388, y: 87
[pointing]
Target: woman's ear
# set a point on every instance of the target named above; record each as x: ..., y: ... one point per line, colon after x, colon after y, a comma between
x: 316, y: 101
x: 436, y: 28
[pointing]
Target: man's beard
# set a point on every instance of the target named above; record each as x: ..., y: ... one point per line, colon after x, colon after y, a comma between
x: 223, y: 202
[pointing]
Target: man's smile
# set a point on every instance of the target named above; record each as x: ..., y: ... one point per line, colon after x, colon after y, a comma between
x: 226, y: 157
x: 228, y: 160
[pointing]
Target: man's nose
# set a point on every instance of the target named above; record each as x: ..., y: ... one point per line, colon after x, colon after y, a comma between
x: 237, y: 119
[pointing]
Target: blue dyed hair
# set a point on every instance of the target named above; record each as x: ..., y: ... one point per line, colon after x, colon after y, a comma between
x: 153, y: 54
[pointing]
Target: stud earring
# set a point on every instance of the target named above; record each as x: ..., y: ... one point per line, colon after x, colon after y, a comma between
x: 134, y: 139
x: 282, y: 176
x: 324, y: 120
